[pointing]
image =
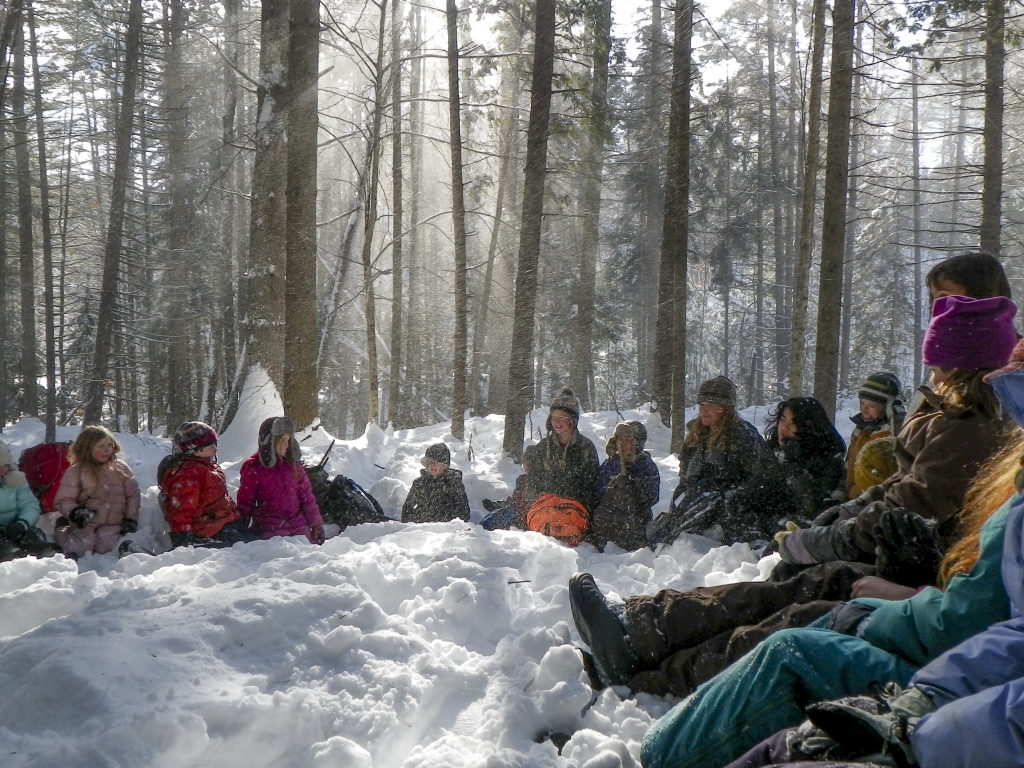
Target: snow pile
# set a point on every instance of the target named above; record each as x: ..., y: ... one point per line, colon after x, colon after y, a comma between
x: 391, y: 645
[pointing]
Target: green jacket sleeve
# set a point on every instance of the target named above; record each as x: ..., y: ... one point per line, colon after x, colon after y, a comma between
x: 931, y: 622
x: 28, y: 504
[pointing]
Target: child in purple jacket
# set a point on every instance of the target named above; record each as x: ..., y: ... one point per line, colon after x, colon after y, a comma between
x: 274, y: 491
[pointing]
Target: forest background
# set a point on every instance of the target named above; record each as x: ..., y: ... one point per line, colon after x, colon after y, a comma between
x: 406, y: 211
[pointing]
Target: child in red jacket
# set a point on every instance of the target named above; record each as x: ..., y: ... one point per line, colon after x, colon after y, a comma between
x: 194, y: 494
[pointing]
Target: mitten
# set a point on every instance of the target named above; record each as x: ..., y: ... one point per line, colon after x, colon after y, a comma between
x: 129, y: 526
x: 80, y: 516
x: 907, y: 548
x: 317, y: 532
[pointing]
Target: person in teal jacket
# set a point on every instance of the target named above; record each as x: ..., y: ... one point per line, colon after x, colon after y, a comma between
x: 766, y: 690
x: 19, y: 513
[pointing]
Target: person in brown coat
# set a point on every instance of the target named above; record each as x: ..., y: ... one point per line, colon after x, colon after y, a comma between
x: 957, y: 429
x: 881, y: 415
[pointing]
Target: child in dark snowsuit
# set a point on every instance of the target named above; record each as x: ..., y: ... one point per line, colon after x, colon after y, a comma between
x: 194, y: 493
x: 437, y: 495
x: 628, y: 485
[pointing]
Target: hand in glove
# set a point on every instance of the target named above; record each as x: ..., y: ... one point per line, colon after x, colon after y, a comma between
x: 907, y: 548
x: 829, y: 516
x: 16, y: 531
x: 317, y: 532
x: 80, y: 516
x: 129, y: 526
x: 489, y: 505
x: 776, y: 542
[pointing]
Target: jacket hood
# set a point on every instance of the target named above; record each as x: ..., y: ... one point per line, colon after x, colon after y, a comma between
x: 1009, y: 389
x: 15, y: 479
x: 270, y: 430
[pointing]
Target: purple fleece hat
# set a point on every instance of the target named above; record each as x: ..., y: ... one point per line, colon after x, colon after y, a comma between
x: 971, y: 334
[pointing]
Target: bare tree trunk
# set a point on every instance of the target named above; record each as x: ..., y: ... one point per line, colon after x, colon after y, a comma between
x: 521, y: 353
x: 458, y: 225
x: 47, y: 233
x: 852, y: 226
x: 370, y: 222
x: 301, y: 124
x: 230, y: 169
x: 115, y: 226
x: 26, y: 249
x: 782, y: 334
x: 581, y: 371
x: 4, y: 306
x: 760, y: 337
x: 833, y: 228
x: 397, y: 220
x: 992, y: 173
x: 410, y: 405
x: 810, y: 191
x: 676, y: 233
x: 916, y: 153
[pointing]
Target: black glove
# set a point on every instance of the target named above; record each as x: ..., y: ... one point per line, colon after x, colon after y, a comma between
x: 183, y: 539
x: 847, y: 617
x: 129, y: 526
x: 489, y: 505
x: 16, y: 531
x: 829, y: 516
x: 80, y: 516
x: 907, y: 548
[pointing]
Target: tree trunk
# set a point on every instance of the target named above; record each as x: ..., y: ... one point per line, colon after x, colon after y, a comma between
x: 916, y: 180
x: 782, y: 334
x: 852, y: 226
x: 410, y: 407
x: 370, y: 222
x: 833, y: 228
x: 521, y: 354
x: 4, y: 305
x: 992, y: 173
x: 581, y: 371
x: 458, y: 225
x: 44, y: 212
x: 676, y: 232
x: 115, y: 226
x: 810, y: 191
x: 29, y: 368
x: 230, y: 169
x: 397, y: 220
x: 301, y: 124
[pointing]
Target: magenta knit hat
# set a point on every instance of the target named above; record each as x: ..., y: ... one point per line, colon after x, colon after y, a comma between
x: 971, y: 334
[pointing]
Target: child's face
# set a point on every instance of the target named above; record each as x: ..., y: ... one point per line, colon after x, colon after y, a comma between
x: 208, y: 452
x: 103, y: 451
x: 435, y: 468
x: 281, y: 445
x: 871, y: 410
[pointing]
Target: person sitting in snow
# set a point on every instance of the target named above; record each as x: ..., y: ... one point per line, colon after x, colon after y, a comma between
x: 437, y: 495
x: 194, y: 494
x: 19, y: 512
x: 628, y: 485
x: 274, y: 491
x: 566, y: 462
x: 510, y: 512
x: 98, y: 496
x: 730, y: 485
x: 881, y: 416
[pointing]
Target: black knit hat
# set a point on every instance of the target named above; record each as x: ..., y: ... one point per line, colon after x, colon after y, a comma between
x: 881, y: 388
x: 438, y: 453
x: 719, y: 390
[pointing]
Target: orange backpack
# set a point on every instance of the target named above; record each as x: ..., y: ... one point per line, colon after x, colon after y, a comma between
x: 558, y: 517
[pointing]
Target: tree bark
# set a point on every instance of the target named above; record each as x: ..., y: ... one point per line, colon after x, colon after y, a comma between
x: 916, y: 180
x: 115, y: 226
x: 397, y: 217
x: 833, y: 228
x: 581, y: 373
x: 230, y: 170
x: 851, y: 218
x: 992, y: 173
x: 301, y: 124
x: 810, y: 191
x: 458, y: 225
x: 521, y: 354
x: 782, y: 334
x: 26, y: 248
x: 676, y: 232
x: 49, y: 319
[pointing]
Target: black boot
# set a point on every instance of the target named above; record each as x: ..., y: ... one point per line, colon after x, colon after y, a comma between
x: 605, y: 629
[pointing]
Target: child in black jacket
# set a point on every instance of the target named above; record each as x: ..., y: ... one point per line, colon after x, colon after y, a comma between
x: 437, y: 495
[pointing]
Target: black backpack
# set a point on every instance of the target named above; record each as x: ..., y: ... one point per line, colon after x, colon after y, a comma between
x: 342, y: 501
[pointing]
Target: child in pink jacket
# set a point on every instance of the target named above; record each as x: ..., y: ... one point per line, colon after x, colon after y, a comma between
x: 98, y: 496
x: 274, y: 490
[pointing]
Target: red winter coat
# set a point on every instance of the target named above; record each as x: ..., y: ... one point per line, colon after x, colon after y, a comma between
x: 279, y: 499
x: 195, y: 498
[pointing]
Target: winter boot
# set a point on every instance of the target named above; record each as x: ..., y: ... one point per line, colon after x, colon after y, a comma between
x: 605, y: 629
x: 129, y: 547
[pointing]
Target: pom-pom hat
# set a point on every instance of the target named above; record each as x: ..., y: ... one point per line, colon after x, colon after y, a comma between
x: 194, y: 436
x: 970, y: 334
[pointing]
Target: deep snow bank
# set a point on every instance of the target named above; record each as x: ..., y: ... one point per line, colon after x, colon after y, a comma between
x: 392, y: 645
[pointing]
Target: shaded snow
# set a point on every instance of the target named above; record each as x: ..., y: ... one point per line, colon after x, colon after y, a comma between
x: 391, y: 645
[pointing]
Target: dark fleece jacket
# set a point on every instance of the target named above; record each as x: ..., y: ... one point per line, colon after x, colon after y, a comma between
x: 436, y: 499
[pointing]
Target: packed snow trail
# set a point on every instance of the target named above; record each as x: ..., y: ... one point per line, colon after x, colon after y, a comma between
x: 391, y: 645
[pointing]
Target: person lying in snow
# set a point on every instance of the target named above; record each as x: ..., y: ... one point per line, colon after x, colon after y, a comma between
x: 194, y: 494
x: 98, y: 496
x: 940, y: 448
x: 881, y: 416
x: 437, y: 495
x: 628, y: 485
x: 511, y: 512
x: 769, y: 688
x: 274, y: 491
x: 730, y: 486
x: 810, y: 453
x: 19, y: 513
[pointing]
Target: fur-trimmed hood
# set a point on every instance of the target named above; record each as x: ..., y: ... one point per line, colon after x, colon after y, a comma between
x: 270, y: 430
x: 14, y: 479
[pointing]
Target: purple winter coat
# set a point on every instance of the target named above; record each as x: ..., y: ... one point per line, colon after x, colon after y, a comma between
x: 278, y: 499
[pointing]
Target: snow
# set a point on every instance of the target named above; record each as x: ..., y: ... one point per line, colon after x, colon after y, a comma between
x: 391, y: 645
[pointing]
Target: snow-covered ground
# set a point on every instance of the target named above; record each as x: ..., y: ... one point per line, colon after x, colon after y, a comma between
x: 392, y: 645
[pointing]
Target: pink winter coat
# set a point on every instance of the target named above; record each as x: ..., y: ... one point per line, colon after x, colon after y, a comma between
x: 279, y: 499
x: 114, y: 498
